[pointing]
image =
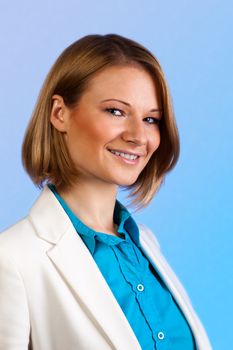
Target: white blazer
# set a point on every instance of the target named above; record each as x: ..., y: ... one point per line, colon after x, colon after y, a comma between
x: 54, y: 297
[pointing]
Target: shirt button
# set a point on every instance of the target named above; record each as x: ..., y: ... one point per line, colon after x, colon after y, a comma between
x: 161, y: 335
x: 140, y: 287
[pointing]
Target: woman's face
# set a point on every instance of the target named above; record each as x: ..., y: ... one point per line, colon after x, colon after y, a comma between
x: 113, y: 131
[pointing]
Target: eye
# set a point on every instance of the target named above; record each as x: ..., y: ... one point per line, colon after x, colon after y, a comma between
x: 151, y: 120
x: 115, y: 111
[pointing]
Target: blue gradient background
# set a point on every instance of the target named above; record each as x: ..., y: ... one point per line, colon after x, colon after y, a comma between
x: 192, y: 213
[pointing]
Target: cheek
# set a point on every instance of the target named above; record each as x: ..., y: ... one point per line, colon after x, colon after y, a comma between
x: 81, y: 129
x: 88, y: 136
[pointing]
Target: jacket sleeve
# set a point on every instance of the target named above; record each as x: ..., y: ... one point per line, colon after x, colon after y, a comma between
x: 14, y: 314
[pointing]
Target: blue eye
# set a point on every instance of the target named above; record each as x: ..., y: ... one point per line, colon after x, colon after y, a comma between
x: 112, y: 111
x: 152, y: 120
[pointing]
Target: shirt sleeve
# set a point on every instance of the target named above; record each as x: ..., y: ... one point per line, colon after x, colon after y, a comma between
x: 14, y: 314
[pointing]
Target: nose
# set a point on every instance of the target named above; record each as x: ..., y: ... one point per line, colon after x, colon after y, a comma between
x: 135, y: 132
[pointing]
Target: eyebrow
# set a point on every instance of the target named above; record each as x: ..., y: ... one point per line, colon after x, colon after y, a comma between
x: 128, y: 104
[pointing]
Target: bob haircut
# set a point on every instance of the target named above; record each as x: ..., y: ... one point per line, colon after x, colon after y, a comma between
x: 44, y: 152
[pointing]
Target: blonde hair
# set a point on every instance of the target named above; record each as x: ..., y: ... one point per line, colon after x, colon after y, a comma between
x: 44, y: 152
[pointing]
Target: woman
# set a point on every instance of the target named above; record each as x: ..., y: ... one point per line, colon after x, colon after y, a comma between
x: 78, y: 272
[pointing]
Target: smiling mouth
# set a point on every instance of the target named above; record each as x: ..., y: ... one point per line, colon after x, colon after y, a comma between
x: 125, y: 155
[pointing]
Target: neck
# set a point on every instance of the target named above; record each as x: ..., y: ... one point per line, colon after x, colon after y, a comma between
x: 93, y: 204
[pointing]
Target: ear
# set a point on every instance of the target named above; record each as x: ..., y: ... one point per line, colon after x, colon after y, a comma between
x: 59, y: 113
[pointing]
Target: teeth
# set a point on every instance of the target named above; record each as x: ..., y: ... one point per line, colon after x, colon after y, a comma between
x: 124, y: 155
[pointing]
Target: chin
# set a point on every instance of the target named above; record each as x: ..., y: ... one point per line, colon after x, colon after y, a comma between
x: 126, y: 182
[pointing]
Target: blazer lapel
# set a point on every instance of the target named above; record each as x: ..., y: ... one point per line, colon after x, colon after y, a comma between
x: 79, y: 270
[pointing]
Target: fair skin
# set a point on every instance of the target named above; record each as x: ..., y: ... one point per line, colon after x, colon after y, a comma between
x: 93, y: 129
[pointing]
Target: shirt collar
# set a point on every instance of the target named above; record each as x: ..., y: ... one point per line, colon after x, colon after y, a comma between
x: 126, y: 225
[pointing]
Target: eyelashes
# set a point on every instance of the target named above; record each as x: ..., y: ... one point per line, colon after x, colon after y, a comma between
x: 120, y: 113
x: 110, y: 110
x: 153, y: 120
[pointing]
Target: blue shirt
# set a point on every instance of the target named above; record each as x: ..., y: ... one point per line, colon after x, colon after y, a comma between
x: 154, y: 316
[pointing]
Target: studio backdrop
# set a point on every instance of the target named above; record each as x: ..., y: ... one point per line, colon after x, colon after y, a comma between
x: 192, y: 213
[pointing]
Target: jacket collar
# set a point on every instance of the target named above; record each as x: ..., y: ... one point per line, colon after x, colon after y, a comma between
x: 48, y: 217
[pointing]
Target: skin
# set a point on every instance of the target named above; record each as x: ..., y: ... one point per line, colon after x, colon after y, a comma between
x: 94, y: 127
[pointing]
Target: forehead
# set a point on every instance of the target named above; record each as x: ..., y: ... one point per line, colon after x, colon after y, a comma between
x: 114, y: 74
x: 122, y: 81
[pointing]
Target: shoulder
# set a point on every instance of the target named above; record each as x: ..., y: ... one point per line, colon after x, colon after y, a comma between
x: 20, y: 243
x: 13, y: 248
x: 16, y: 236
x: 15, y: 233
